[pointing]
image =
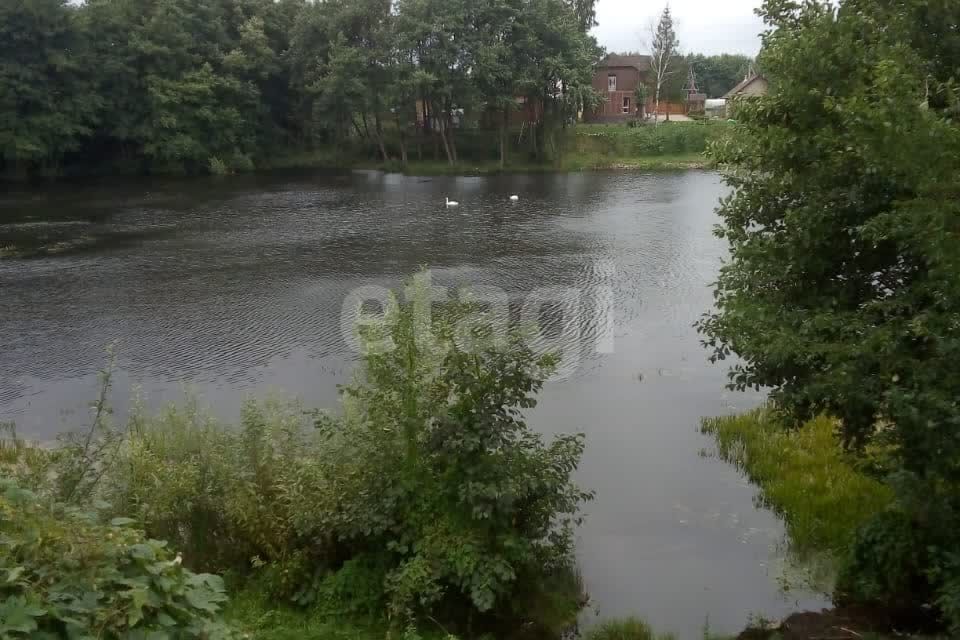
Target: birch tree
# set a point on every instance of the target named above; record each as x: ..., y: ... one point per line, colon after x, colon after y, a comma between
x: 664, y: 47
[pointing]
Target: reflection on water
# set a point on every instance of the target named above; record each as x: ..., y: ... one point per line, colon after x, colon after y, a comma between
x: 238, y: 285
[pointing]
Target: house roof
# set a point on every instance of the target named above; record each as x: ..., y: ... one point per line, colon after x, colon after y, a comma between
x: 746, y: 82
x: 639, y: 62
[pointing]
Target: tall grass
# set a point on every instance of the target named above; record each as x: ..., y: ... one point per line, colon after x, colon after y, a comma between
x: 804, y: 476
x: 626, y: 629
x: 646, y: 141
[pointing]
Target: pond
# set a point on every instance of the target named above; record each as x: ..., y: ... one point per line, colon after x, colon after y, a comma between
x: 233, y: 287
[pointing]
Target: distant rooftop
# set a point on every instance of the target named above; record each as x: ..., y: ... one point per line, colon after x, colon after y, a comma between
x: 746, y: 82
x: 639, y: 62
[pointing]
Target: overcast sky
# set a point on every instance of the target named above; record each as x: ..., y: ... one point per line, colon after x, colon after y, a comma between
x: 703, y: 26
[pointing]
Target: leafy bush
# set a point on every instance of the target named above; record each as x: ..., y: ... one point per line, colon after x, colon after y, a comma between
x: 883, y: 565
x: 429, y: 495
x: 217, y: 167
x: 470, y: 500
x: 64, y: 574
x: 906, y: 560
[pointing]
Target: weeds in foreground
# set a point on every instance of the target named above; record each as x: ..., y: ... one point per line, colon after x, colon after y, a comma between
x: 428, y: 500
x: 626, y: 629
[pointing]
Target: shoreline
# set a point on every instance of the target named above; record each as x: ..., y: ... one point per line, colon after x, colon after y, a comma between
x: 573, y: 163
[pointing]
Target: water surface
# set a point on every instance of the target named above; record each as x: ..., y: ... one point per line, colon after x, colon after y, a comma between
x: 236, y: 286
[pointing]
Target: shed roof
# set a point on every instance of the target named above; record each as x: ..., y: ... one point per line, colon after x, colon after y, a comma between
x: 746, y: 82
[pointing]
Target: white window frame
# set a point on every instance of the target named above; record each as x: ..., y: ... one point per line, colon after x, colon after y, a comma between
x: 626, y: 104
x: 611, y: 83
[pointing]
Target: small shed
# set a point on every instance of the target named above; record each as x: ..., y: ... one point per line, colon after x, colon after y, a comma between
x: 755, y: 85
x: 751, y: 87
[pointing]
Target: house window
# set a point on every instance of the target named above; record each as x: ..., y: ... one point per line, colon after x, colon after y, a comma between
x: 626, y: 104
x: 611, y: 83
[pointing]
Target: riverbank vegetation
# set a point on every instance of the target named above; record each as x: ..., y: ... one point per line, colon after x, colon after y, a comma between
x: 428, y: 503
x: 804, y: 475
x: 584, y: 147
x: 843, y: 289
x: 219, y: 86
x: 224, y: 86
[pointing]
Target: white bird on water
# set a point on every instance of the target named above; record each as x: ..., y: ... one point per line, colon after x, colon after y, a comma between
x: 514, y: 198
x: 452, y: 203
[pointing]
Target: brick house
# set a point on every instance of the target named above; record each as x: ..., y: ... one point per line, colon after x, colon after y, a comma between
x: 617, y: 78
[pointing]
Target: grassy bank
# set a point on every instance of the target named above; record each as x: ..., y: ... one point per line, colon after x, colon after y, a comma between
x: 570, y: 163
x: 673, y: 146
x: 258, y: 618
x: 583, y: 147
x: 823, y: 497
x: 804, y: 476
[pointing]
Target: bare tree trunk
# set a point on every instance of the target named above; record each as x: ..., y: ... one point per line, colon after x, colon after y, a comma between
x: 656, y: 105
x: 378, y: 127
x: 503, y: 138
x: 427, y: 115
x: 403, y: 142
x: 446, y: 144
x: 534, y: 142
x: 451, y: 140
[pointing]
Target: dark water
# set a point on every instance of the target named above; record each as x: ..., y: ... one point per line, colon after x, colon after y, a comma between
x: 237, y: 286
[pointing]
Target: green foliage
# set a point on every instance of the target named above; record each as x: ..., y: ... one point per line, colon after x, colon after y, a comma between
x: 843, y: 289
x: 46, y: 104
x: 626, y: 629
x: 643, y: 141
x: 429, y: 496
x: 259, y: 617
x: 471, y: 502
x: 804, y: 475
x: 218, y: 167
x: 195, y: 87
x: 226, y: 496
x: 65, y: 574
x: 718, y: 74
x: 883, y: 565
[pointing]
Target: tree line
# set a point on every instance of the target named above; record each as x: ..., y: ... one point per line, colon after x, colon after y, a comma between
x: 210, y: 85
x: 842, y: 293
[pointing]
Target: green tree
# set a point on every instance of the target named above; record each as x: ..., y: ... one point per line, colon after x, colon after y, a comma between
x: 203, y: 85
x: 559, y: 60
x: 716, y: 75
x: 47, y: 102
x: 586, y: 13
x: 843, y: 289
x: 439, y: 32
x: 354, y: 76
x: 500, y: 66
x: 309, y: 48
